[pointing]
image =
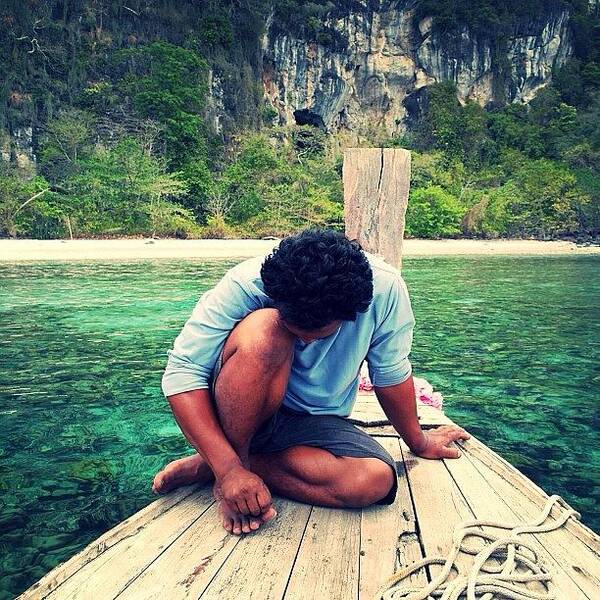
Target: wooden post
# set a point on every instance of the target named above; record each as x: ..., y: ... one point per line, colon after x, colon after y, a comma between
x: 376, y: 185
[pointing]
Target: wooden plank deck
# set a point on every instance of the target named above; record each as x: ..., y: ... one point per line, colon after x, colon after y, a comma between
x: 176, y: 548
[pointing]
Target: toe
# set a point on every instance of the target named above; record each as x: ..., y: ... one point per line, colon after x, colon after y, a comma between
x: 237, y: 527
x: 228, y: 525
x: 254, y: 523
x: 269, y: 514
x: 245, y: 525
x: 157, y: 484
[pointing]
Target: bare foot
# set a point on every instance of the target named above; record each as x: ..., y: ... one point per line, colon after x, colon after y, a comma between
x: 236, y: 523
x: 185, y: 471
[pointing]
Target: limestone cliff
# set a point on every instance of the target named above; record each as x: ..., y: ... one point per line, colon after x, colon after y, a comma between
x: 377, y: 76
x: 369, y: 73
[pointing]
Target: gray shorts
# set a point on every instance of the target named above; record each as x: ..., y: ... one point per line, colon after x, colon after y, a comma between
x: 288, y: 428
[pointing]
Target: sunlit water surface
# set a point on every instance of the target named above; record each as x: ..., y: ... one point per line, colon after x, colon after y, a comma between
x: 513, y: 343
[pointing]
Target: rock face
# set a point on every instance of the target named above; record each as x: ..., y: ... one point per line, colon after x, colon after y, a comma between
x: 377, y: 78
x: 18, y: 148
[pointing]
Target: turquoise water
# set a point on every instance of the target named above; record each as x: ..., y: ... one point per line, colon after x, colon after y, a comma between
x: 513, y: 343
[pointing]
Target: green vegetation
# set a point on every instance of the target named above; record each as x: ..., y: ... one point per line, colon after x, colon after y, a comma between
x: 122, y: 147
x: 511, y: 170
x: 514, y: 171
x: 166, y: 84
x: 433, y: 212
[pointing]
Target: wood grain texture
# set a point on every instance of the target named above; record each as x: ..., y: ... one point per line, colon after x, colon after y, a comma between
x: 327, y: 561
x: 127, y: 528
x: 439, y: 505
x: 186, y: 567
x: 110, y: 573
x: 505, y: 470
x: 376, y: 186
x: 261, y: 563
x: 388, y: 536
x: 574, y: 566
x: 367, y: 412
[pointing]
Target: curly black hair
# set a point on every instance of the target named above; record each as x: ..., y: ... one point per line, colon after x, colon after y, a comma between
x: 316, y: 277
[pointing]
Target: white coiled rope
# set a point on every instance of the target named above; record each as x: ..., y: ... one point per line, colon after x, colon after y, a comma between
x: 487, y: 580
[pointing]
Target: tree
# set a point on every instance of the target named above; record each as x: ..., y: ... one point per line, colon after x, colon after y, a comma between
x: 492, y: 215
x: 433, y: 212
x: 123, y: 189
x: 28, y: 206
x: 168, y: 84
x: 66, y: 139
x: 243, y: 181
x: 550, y: 201
x: 439, y: 127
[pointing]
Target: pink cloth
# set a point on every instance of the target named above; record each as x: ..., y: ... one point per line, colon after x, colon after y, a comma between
x: 425, y: 394
x: 423, y: 389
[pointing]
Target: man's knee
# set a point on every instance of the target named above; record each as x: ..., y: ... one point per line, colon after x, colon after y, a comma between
x: 363, y: 482
x: 260, y: 339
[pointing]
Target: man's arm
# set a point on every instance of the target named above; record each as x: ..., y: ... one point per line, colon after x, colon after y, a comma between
x: 400, y: 406
x: 391, y: 374
x: 186, y: 383
x: 197, y: 420
x: 195, y: 415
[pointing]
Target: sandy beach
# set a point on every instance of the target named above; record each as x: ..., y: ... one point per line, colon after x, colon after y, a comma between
x: 139, y: 249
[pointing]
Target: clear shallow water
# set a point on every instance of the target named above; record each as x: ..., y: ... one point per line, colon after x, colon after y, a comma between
x: 512, y: 342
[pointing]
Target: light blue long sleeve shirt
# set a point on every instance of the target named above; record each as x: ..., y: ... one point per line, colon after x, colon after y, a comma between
x: 324, y: 375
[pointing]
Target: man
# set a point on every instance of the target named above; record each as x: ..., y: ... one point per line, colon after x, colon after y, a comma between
x: 265, y: 370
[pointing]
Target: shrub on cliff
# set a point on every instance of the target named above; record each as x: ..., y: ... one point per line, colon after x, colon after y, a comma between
x: 432, y: 213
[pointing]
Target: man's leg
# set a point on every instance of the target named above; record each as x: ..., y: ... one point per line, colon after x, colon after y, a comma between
x: 251, y: 384
x: 249, y: 389
x: 307, y: 474
x: 316, y: 476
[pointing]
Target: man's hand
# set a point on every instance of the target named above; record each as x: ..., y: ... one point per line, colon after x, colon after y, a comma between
x: 398, y: 403
x: 437, y: 442
x: 240, y: 494
x: 244, y: 492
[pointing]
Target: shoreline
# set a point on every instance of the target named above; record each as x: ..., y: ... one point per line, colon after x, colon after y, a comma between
x: 141, y: 249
